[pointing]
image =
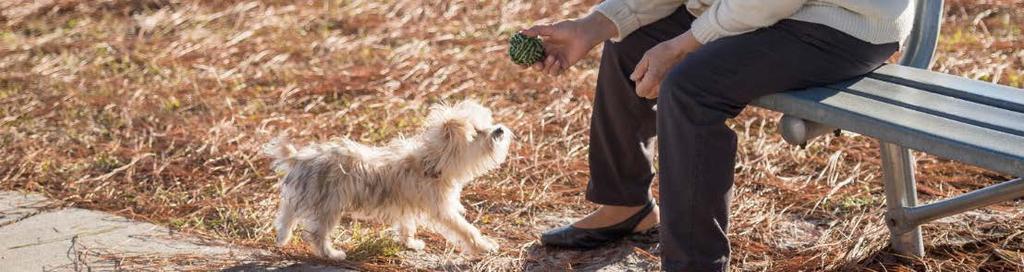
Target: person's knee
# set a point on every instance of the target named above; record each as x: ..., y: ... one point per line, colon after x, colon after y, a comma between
x: 683, y: 94
x: 616, y: 54
x: 617, y: 62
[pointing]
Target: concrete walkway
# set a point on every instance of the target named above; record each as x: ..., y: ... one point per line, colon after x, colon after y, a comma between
x: 35, y: 235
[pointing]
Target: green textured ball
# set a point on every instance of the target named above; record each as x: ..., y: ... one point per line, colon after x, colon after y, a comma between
x: 525, y: 50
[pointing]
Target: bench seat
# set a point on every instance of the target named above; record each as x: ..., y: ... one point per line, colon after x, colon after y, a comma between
x: 952, y: 117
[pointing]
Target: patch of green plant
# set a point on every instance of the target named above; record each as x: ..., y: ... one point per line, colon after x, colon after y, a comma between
x: 71, y: 23
x: 857, y: 202
x: 177, y: 223
x: 6, y: 37
x: 1015, y: 80
x: 171, y: 104
x: 232, y: 223
x: 104, y: 162
x: 367, y: 245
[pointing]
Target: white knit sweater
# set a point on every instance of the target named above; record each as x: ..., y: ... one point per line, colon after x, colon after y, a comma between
x: 874, y: 21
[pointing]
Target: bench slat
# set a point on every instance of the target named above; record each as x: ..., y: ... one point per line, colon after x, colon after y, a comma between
x: 973, y: 90
x: 949, y: 138
x: 945, y: 106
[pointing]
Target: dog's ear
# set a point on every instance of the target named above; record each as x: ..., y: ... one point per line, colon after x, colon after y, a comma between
x: 455, y: 134
x: 434, y: 162
x: 432, y: 169
x: 445, y: 118
x: 456, y: 130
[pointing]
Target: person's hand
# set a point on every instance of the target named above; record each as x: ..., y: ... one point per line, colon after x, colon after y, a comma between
x: 651, y: 70
x: 567, y: 42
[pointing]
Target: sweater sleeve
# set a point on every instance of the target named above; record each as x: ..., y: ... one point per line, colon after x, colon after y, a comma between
x: 628, y: 15
x: 733, y: 17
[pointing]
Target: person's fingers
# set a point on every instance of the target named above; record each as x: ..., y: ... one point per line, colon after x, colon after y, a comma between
x: 539, y: 66
x: 554, y: 68
x: 651, y: 92
x: 655, y: 91
x: 532, y: 31
x: 640, y: 70
x: 558, y: 65
x: 549, y: 65
x: 539, y: 30
x: 643, y: 88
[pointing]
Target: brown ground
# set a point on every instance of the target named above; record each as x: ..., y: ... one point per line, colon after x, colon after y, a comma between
x: 155, y: 109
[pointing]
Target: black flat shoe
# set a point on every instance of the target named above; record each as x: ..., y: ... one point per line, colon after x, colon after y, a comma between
x: 573, y: 237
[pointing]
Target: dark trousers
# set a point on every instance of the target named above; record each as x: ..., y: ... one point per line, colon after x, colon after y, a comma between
x: 696, y: 150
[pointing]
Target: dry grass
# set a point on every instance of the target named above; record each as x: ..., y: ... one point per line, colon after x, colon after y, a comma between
x: 154, y: 109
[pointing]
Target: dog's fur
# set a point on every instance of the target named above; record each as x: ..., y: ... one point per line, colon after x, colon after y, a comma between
x: 405, y: 183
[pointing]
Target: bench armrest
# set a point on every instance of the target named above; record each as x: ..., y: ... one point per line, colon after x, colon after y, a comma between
x: 919, y: 48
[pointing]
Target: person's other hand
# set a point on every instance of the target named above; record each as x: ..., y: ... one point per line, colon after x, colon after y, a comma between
x: 566, y: 42
x: 651, y: 70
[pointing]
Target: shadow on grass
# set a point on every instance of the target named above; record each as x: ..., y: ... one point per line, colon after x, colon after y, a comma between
x: 288, y: 263
x: 977, y: 255
x: 637, y: 252
x: 253, y: 267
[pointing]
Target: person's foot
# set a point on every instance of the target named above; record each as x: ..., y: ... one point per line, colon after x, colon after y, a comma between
x: 607, y: 215
x: 607, y: 224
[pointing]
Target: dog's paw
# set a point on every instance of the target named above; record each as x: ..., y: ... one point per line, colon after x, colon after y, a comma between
x: 483, y: 245
x: 336, y: 255
x: 415, y: 244
x: 282, y: 238
x: 489, y: 245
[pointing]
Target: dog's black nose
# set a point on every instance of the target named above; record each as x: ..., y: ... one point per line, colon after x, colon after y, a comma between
x: 497, y: 132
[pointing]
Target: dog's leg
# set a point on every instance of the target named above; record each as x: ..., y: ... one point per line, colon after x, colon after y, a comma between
x: 319, y: 239
x: 285, y: 222
x: 472, y: 241
x: 406, y: 230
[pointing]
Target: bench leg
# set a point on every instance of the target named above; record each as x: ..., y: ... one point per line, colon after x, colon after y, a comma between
x: 900, y: 193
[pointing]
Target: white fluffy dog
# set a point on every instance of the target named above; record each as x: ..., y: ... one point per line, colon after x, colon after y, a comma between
x: 405, y: 183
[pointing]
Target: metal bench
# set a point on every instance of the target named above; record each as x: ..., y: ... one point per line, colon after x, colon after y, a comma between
x: 912, y: 108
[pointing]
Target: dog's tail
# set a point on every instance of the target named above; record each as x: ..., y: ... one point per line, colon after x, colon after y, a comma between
x: 282, y: 151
